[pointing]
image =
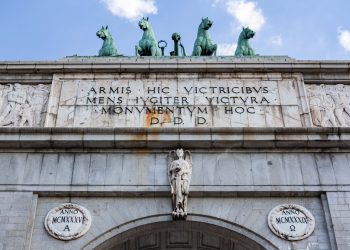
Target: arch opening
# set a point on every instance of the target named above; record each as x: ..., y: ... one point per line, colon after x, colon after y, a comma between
x: 179, y: 235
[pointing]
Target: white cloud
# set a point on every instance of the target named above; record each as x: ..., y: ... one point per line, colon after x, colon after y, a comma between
x: 246, y: 13
x: 131, y: 9
x: 344, y: 38
x: 215, y: 3
x: 226, y: 49
x: 276, y: 40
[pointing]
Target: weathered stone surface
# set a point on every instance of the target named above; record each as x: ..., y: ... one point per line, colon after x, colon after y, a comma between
x: 174, y: 101
x: 339, y: 206
x: 68, y: 221
x: 329, y: 105
x: 291, y: 222
x: 16, y: 219
x: 179, y: 174
x: 115, y: 215
x: 244, y: 164
x: 137, y: 171
x: 23, y: 105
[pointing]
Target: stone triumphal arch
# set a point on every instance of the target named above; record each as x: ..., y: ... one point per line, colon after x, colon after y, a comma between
x: 175, y: 153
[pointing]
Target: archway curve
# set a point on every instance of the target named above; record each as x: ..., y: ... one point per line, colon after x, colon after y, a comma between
x: 196, y: 223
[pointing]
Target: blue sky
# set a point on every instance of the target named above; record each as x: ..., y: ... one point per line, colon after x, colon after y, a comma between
x: 52, y: 29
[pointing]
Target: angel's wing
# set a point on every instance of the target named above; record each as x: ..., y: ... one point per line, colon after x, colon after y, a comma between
x: 188, y: 158
x: 171, y: 157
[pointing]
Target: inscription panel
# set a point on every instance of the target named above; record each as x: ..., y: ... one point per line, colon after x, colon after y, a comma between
x: 177, y: 103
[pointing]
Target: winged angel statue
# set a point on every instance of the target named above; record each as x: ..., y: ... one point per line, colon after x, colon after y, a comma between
x: 179, y: 173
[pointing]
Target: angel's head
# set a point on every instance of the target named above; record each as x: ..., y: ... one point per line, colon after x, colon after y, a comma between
x: 180, y: 153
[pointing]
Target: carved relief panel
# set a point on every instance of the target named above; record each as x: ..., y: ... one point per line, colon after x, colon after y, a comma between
x: 23, y: 105
x: 329, y: 105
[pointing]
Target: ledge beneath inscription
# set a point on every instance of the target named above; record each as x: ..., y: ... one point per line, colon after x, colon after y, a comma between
x: 332, y: 139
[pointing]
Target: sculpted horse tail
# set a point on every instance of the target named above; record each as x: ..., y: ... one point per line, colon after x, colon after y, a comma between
x: 148, y: 45
x: 203, y: 45
x: 243, y: 46
x: 108, y: 47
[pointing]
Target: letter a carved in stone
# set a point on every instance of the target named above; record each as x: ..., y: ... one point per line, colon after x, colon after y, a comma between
x: 179, y: 173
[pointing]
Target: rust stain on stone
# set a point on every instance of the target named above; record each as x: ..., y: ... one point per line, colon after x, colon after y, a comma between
x: 150, y: 117
x: 139, y: 137
x: 154, y: 118
x: 166, y: 118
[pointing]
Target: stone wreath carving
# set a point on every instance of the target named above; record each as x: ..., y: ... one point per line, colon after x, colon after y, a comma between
x: 68, y: 221
x: 329, y: 105
x: 179, y: 173
x: 291, y: 222
x: 22, y: 105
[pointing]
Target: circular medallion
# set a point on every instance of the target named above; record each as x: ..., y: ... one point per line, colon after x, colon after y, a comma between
x: 68, y: 221
x: 291, y: 222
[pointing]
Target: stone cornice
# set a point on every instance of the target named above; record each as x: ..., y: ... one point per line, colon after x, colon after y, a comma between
x: 331, y: 139
x: 169, y: 64
x: 330, y: 72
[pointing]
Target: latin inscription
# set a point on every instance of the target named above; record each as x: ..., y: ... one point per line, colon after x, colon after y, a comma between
x: 169, y: 103
x: 176, y: 106
x: 68, y: 221
x: 68, y: 216
x: 291, y: 222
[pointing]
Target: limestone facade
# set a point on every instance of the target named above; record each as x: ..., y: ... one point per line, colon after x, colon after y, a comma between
x: 97, y: 132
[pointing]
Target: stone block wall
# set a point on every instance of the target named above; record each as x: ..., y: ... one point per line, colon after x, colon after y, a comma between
x: 339, y: 205
x: 112, y: 215
x: 16, y: 219
x: 138, y: 171
x: 264, y: 179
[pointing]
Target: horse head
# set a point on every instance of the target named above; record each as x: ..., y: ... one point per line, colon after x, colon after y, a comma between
x: 148, y: 44
x: 243, y: 46
x: 103, y: 33
x: 108, y: 47
x: 144, y: 24
x: 206, y: 23
x: 247, y: 33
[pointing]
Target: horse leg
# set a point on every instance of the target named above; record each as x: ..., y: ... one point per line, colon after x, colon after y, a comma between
x: 197, y: 51
x: 214, y: 48
x: 251, y: 51
x: 153, y: 51
x: 159, y: 53
x: 137, y: 50
x: 239, y: 51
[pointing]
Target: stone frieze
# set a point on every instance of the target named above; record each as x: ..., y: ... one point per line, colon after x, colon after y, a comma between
x: 329, y: 105
x: 23, y: 105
